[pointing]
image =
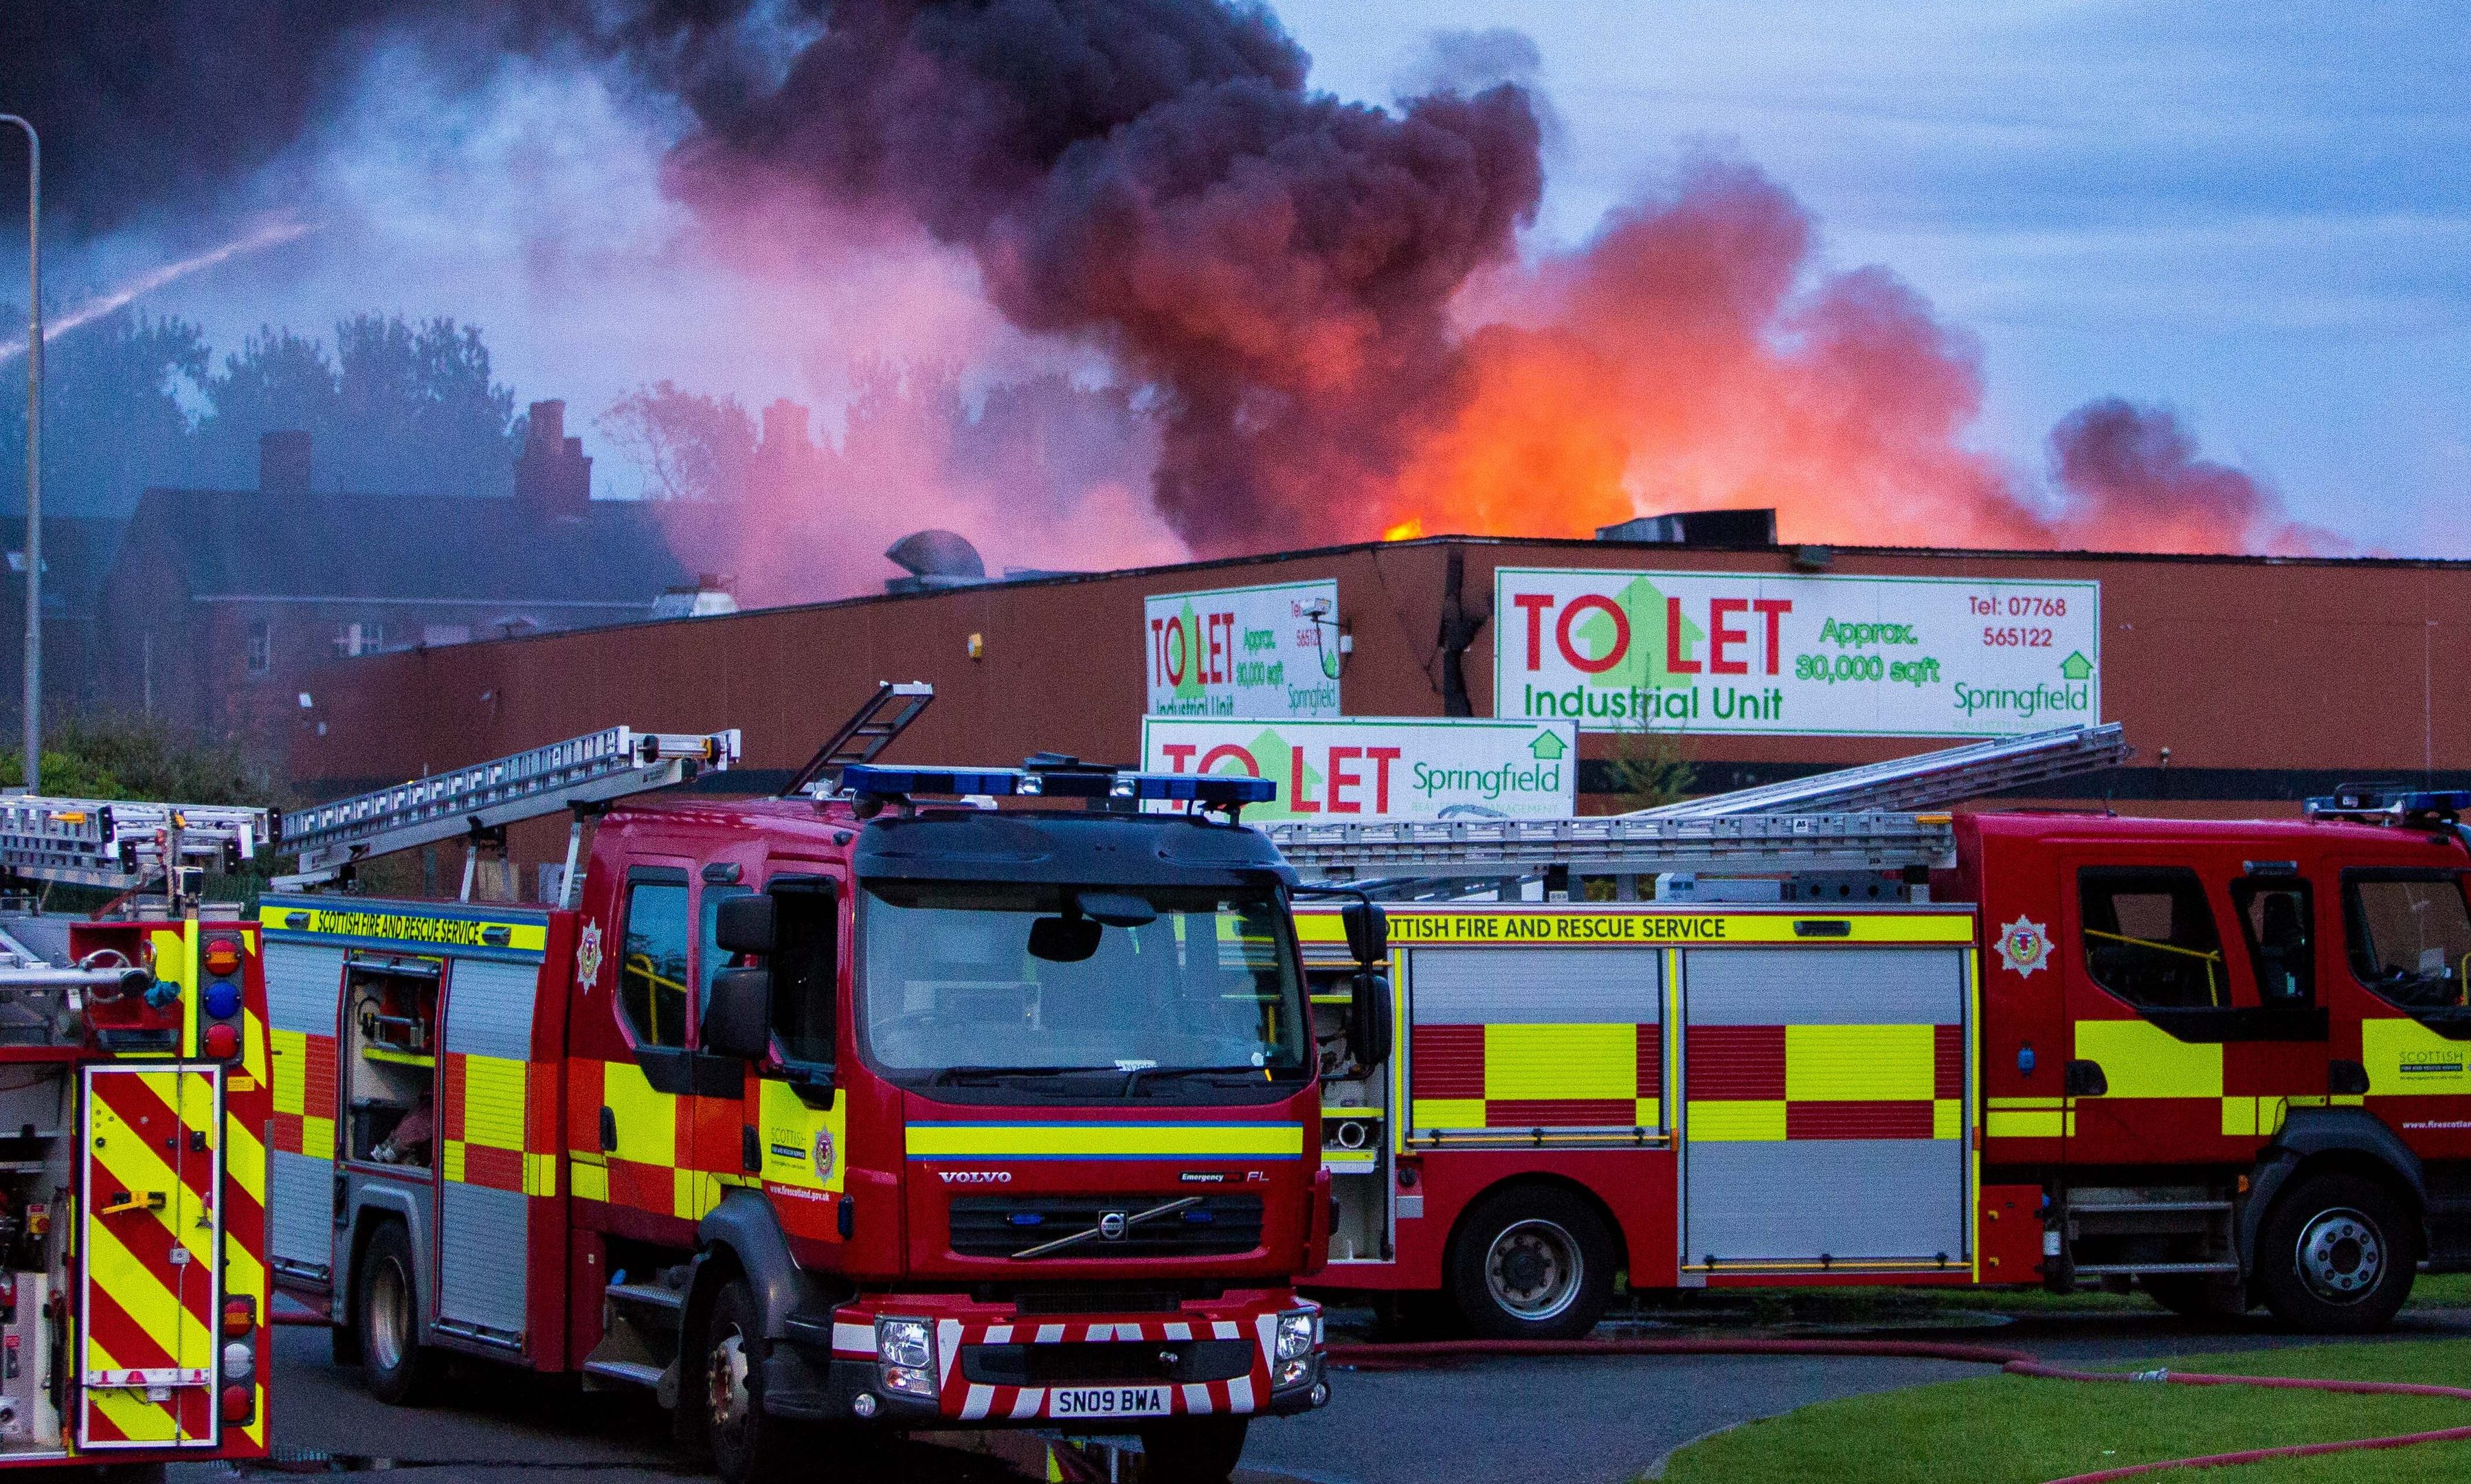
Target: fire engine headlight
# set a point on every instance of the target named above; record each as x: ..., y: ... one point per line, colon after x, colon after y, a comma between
x: 906, y: 1351
x: 1297, y: 1333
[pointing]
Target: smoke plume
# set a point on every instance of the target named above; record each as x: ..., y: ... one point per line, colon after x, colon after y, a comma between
x: 1318, y: 305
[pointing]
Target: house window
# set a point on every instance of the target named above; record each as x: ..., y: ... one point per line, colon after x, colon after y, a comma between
x: 261, y: 646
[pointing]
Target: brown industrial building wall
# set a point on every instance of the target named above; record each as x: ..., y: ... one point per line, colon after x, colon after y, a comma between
x: 2264, y: 679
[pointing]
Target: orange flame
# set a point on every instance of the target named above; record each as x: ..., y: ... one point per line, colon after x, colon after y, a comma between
x: 1407, y: 529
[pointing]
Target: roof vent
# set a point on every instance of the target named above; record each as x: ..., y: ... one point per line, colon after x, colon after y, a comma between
x: 1698, y: 528
x: 934, y: 559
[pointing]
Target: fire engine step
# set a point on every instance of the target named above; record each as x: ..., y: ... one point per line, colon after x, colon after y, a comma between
x: 649, y: 1295
x: 2134, y: 1269
x: 631, y: 1372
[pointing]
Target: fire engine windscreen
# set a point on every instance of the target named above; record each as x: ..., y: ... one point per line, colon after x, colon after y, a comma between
x: 1015, y: 981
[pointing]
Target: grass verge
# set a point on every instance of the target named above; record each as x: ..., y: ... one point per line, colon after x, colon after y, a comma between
x: 2008, y: 1429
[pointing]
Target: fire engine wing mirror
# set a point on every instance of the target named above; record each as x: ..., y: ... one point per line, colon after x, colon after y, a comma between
x: 745, y: 924
x: 1368, y: 931
x: 738, y: 1019
x: 1368, y: 1019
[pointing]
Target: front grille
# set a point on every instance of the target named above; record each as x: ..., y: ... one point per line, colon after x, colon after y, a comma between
x: 1183, y: 1361
x: 997, y: 1226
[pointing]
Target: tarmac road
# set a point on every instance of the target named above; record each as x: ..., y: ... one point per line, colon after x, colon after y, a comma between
x: 1517, y: 1421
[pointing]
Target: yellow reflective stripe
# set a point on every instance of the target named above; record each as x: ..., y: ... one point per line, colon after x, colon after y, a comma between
x: 1947, y: 1118
x: 1648, y: 1112
x: 1737, y: 1121
x: 2028, y: 1124
x: 1449, y: 1112
x: 2406, y: 1059
x: 540, y: 1174
x: 1561, y: 1061
x: 2140, y: 1059
x: 416, y: 929
x: 1858, y: 1063
x: 790, y: 1131
x: 591, y: 1181
x: 450, y: 1160
x: 648, y: 1120
x: 290, y: 1071
x: 317, y: 1138
x: 1123, y: 1140
x: 693, y: 1192
x: 2262, y: 1117
x: 1664, y: 928
x: 253, y: 1047
x: 493, y: 1102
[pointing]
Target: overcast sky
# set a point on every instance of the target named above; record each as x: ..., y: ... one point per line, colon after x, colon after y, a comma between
x: 2258, y: 213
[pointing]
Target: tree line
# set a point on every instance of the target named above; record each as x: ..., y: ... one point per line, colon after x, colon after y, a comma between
x: 394, y: 406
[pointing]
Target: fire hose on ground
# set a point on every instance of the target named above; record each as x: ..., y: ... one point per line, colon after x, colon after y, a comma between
x: 2014, y: 1363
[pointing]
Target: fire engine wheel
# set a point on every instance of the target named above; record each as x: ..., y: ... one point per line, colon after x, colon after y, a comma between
x: 397, y: 1369
x: 1532, y: 1264
x: 1194, y: 1450
x: 747, y: 1443
x: 2337, y: 1256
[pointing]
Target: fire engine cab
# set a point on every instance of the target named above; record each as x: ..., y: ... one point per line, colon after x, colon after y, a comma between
x: 2221, y: 1061
x: 836, y: 1106
x: 133, y: 1293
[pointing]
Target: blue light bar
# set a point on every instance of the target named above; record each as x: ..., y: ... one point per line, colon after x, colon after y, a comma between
x: 871, y: 781
x: 2395, y: 804
x: 868, y: 780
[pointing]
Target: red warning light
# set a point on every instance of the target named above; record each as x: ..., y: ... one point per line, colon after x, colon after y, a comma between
x: 223, y: 1042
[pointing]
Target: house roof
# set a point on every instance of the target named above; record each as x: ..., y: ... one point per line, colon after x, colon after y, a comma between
x: 78, y: 551
x: 249, y: 544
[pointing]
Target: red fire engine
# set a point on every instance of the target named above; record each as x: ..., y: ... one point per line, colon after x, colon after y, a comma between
x: 2224, y: 1062
x: 828, y: 1107
x: 133, y: 1173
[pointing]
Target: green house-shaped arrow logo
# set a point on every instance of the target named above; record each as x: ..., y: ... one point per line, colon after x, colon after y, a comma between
x: 1547, y: 746
x: 2075, y: 667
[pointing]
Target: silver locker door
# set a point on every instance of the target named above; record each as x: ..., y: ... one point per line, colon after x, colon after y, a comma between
x: 303, y: 984
x: 483, y: 1216
x: 1824, y: 1105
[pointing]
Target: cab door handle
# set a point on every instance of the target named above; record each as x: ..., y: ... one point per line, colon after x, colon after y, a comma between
x: 2085, y: 1079
x: 609, y: 1129
x: 122, y: 1200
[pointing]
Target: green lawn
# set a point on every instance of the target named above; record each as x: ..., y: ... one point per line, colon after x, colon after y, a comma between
x: 1884, y: 1306
x: 2007, y: 1430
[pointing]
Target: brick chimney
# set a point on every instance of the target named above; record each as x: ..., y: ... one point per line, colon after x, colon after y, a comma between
x: 283, y: 464
x: 552, y: 475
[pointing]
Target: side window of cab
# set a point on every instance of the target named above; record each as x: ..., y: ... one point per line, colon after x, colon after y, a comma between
x: 2149, y: 938
x: 652, y: 965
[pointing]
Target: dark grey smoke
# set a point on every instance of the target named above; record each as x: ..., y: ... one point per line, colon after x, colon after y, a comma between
x: 1152, y: 176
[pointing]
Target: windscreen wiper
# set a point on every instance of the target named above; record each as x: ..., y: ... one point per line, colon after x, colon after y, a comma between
x: 1134, y: 1075
x: 957, y: 1075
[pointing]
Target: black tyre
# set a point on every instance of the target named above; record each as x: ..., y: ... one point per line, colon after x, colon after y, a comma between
x: 1193, y: 1450
x: 747, y: 1443
x: 2337, y: 1256
x: 1534, y: 1263
x: 397, y: 1369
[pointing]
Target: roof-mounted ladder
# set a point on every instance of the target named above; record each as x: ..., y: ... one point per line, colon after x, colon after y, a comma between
x: 1614, y: 844
x: 1930, y: 780
x: 880, y: 718
x: 124, y: 844
x: 470, y: 803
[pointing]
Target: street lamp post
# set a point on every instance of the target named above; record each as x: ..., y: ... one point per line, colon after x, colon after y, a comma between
x: 34, y: 453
